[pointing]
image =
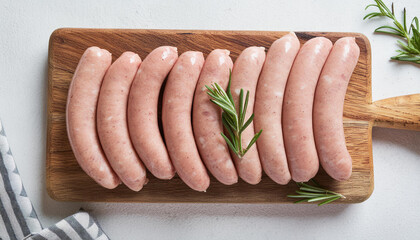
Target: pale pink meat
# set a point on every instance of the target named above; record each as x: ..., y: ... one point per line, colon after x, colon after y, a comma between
x: 81, y: 116
x: 245, y: 73
x: 268, y: 107
x: 207, y: 118
x: 143, y: 111
x: 112, y: 121
x: 328, y: 108
x: 297, y: 109
x: 176, y: 119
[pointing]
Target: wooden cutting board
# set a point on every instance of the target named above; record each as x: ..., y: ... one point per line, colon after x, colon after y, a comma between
x: 67, y: 182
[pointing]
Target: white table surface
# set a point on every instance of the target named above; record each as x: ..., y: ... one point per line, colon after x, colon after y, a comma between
x: 392, y: 211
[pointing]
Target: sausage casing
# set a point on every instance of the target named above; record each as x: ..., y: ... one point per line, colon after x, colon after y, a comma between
x: 143, y: 111
x: 268, y: 107
x: 81, y: 116
x: 176, y: 119
x: 207, y: 118
x: 297, y: 109
x: 328, y: 108
x: 245, y: 73
x: 112, y: 121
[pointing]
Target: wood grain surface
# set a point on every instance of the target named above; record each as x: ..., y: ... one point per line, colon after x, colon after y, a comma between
x: 67, y: 182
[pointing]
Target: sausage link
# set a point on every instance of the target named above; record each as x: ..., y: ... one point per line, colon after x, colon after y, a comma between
x: 176, y: 119
x: 328, y: 108
x: 112, y: 121
x: 143, y: 111
x: 245, y: 73
x: 268, y: 106
x: 207, y: 118
x: 297, y: 109
x: 81, y: 114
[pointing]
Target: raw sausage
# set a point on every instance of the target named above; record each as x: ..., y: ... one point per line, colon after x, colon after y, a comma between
x: 176, y: 119
x: 81, y: 114
x: 112, y: 121
x: 143, y: 111
x: 328, y: 108
x: 297, y: 109
x: 245, y: 73
x: 268, y: 106
x: 207, y: 118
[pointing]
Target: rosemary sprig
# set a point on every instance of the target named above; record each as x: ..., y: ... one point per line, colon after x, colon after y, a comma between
x: 315, y: 193
x: 410, y: 51
x: 234, y: 122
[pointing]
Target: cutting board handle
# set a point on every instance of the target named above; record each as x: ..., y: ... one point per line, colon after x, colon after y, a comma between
x: 401, y: 112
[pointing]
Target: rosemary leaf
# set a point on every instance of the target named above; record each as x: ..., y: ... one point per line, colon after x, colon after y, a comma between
x: 243, y: 112
x: 297, y: 196
x: 326, y: 197
x: 232, y: 120
x: 229, y: 143
x: 247, y: 123
x: 311, y: 190
x: 310, y: 194
x: 302, y: 200
x: 410, y: 49
x: 330, y: 200
x: 253, y: 140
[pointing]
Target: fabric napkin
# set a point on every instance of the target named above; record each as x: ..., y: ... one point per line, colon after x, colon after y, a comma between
x: 79, y: 226
x: 18, y: 217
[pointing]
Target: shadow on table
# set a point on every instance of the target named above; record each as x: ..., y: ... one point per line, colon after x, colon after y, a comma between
x: 176, y: 211
x: 407, y: 139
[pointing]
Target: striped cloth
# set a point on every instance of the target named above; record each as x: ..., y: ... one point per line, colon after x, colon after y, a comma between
x: 79, y: 226
x: 18, y: 217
